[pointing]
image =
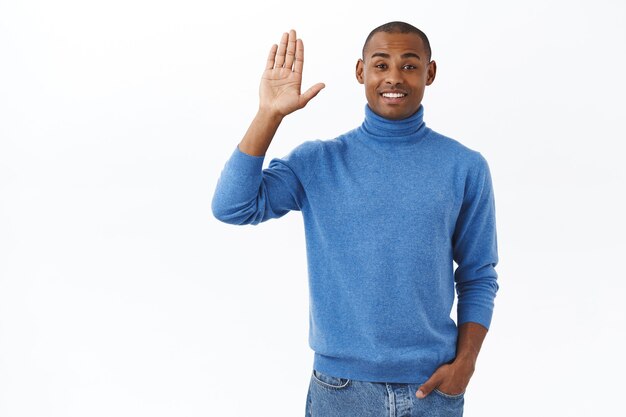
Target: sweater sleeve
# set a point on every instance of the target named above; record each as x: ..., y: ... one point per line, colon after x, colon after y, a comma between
x: 248, y: 194
x: 475, y: 248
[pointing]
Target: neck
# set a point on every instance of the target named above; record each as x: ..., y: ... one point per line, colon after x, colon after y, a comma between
x: 394, y: 134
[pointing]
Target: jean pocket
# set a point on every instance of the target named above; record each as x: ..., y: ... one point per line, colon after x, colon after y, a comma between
x: 329, y: 381
x: 446, y: 395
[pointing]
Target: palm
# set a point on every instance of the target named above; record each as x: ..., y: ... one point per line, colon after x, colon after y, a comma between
x: 280, y: 89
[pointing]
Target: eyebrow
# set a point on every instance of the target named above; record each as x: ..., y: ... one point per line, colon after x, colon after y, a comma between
x: 406, y: 55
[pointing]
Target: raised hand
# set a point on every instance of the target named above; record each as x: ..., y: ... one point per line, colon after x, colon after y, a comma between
x: 281, y: 81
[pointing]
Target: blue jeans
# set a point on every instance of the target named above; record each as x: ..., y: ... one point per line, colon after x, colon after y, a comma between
x: 331, y: 396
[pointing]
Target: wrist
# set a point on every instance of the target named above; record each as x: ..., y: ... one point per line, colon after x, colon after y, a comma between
x: 269, y: 114
x: 465, y: 360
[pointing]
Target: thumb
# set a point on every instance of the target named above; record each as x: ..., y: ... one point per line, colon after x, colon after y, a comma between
x: 310, y: 93
x: 427, y: 387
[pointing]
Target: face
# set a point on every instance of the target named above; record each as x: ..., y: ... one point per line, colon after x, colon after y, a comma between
x: 395, y: 73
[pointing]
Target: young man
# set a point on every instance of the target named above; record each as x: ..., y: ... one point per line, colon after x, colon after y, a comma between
x: 387, y: 208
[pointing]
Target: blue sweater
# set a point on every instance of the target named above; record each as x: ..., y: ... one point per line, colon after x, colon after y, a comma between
x: 387, y: 208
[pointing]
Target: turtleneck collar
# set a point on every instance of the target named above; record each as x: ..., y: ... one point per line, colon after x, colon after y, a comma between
x: 393, y: 134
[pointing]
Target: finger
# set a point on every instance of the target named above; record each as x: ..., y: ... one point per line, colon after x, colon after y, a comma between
x: 291, y: 49
x: 427, y: 387
x: 280, y: 54
x: 271, y: 57
x: 299, y: 66
x: 311, y: 92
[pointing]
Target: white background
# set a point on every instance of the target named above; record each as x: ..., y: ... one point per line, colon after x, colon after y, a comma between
x: 120, y: 294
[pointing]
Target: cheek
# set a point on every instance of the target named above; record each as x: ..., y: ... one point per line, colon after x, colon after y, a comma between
x: 370, y: 86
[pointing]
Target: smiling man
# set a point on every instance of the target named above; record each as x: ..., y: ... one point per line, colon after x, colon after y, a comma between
x: 395, y: 69
x: 388, y: 207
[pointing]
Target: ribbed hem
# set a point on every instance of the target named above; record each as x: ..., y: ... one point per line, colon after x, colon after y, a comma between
x: 405, y: 372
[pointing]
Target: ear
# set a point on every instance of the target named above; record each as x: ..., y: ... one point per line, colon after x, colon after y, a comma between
x: 431, y: 72
x: 359, y: 71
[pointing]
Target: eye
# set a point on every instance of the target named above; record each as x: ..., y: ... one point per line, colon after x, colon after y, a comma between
x: 381, y: 66
x: 409, y: 67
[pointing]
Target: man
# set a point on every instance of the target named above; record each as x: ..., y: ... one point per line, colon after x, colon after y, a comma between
x: 387, y: 208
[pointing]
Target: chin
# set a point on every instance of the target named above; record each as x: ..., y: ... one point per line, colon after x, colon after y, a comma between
x: 396, y: 115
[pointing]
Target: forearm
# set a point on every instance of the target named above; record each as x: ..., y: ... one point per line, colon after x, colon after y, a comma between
x: 469, y: 342
x: 259, y: 135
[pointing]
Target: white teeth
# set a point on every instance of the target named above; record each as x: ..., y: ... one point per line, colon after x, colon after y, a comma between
x: 393, y: 95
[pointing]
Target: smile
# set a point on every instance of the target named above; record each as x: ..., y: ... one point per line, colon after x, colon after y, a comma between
x: 393, y: 95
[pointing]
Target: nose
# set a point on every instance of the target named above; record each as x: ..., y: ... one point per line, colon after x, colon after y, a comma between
x: 393, y: 76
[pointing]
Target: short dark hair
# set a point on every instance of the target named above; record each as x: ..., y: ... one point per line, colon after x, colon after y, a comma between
x: 399, y: 27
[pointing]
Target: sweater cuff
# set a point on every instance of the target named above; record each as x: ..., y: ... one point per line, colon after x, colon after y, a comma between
x: 477, y: 314
x: 244, y: 164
